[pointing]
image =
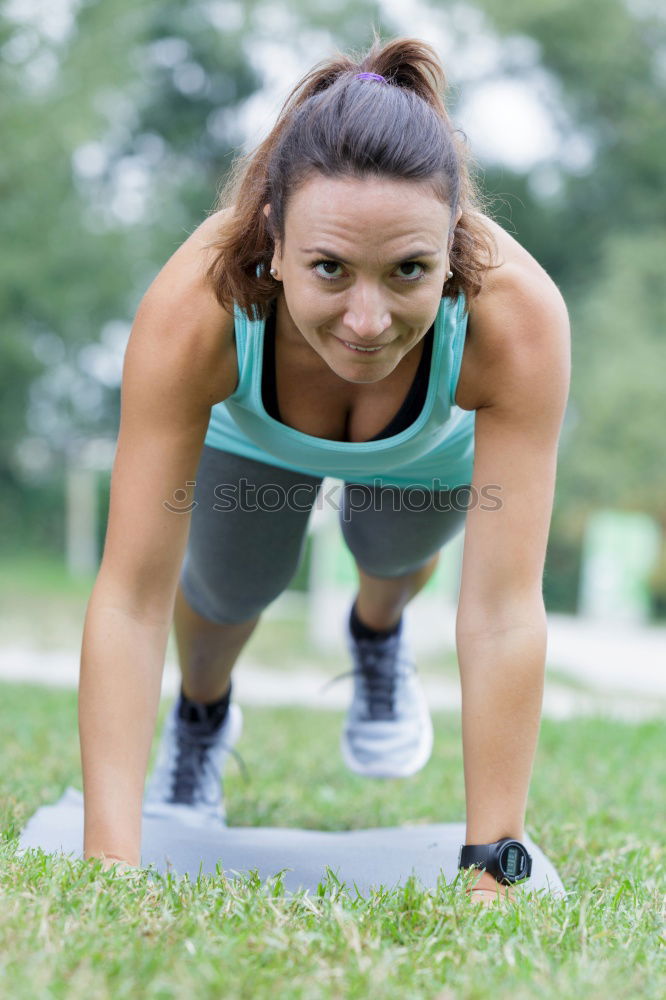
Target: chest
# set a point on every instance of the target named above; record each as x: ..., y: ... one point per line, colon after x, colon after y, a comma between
x: 322, y: 405
x: 315, y: 401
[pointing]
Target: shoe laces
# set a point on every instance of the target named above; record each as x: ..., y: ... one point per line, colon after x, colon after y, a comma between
x: 195, y: 767
x: 377, y: 666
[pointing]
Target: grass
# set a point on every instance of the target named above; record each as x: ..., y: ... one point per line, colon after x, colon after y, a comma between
x: 69, y: 931
x: 40, y: 602
x: 44, y: 608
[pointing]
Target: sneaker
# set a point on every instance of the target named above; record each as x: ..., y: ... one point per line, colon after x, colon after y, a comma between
x: 187, y: 779
x: 387, y: 731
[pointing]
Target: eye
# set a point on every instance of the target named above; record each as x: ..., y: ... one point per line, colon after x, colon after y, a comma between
x: 331, y: 265
x: 412, y: 264
x: 327, y: 276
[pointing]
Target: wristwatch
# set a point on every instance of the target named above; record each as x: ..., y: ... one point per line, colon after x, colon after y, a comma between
x: 506, y: 859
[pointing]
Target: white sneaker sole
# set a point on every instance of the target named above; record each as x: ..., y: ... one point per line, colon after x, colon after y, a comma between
x: 187, y: 815
x: 383, y: 769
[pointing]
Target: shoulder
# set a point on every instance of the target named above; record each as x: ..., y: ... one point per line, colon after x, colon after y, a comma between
x: 518, y: 325
x: 180, y: 320
x: 184, y: 273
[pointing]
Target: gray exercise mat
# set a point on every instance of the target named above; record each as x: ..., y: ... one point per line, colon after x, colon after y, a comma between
x: 382, y: 856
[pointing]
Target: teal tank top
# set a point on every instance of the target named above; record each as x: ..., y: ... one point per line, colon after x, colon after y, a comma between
x: 435, y: 451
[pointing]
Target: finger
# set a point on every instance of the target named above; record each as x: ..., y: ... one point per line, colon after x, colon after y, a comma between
x: 118, y: 866
x: 487, y: 896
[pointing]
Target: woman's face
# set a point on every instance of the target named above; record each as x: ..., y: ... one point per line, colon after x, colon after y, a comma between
x: 363, y: 263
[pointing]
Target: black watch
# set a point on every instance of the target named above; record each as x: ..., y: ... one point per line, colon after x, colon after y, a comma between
x: 506, y: 859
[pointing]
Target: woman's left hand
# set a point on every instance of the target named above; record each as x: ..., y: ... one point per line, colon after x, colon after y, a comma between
x: 487, y: 890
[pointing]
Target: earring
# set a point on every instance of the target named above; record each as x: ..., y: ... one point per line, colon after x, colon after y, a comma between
x: 274, y: 272
x: 449, y: 274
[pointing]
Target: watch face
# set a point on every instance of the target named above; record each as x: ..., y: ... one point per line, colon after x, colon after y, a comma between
x: 513, y: 861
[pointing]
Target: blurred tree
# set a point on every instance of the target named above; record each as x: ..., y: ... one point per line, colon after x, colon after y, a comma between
x: 119, y: 121
x: 600, y: 231
x: 615, y: 445
x: 606, y: 58
x: 51, y: 296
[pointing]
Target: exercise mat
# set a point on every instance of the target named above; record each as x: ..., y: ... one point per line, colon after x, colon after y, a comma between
x: 361, y: 859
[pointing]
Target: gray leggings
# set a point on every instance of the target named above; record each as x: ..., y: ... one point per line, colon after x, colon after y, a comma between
x: 249, y: 523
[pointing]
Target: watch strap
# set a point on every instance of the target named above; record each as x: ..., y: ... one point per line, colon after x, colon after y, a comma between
x: 476, y: 856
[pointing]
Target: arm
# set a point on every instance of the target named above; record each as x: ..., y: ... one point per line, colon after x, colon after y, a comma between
x: 178, y: 363
x: 501, y: 620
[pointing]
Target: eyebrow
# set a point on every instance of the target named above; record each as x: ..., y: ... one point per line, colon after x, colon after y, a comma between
x: 419, y: 252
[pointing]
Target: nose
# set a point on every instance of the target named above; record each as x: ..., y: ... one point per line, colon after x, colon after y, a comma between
x: 366, y: 316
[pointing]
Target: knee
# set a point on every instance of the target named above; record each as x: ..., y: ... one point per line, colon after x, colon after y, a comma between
x: 388, y: 569
x: 227, y: 604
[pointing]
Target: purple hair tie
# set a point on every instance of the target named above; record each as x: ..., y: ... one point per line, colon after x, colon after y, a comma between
x: 370, y: 76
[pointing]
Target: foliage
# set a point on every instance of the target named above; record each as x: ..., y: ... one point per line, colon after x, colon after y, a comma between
x: 600, y: 234
x: 616, y: 450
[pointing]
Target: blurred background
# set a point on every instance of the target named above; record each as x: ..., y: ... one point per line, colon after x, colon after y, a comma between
x: 118, y: 123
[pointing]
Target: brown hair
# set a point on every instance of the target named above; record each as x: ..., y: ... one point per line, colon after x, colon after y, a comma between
x: 339, y: 125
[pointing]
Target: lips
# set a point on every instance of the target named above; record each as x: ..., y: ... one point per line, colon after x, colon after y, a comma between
x: 362, y: 350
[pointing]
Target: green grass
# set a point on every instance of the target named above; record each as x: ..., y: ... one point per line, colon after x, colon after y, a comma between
x: 69, y: 931
x: 42, y: 607
x: 40, y: 604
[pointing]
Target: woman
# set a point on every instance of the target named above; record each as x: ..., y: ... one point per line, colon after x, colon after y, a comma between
x: 348, y: 311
